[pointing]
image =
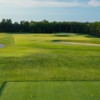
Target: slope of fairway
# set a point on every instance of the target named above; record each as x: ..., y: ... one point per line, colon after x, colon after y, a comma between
x: 29, y: 57
x: 51, y: 91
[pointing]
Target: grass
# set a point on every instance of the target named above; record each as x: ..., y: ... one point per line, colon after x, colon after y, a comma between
x: 51, y: 91
x: 30, y: 57
x: 62, y: 71
x: 6, y: 39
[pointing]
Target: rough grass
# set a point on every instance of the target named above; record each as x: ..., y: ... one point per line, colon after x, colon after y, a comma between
x: 29, y: 57
x: 51, y: 91
x: 6, y: 39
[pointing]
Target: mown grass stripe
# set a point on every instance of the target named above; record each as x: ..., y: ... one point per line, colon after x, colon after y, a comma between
x: 51, y: 90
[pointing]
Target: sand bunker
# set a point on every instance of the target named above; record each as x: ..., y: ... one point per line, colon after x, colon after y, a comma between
x: 74, y: 43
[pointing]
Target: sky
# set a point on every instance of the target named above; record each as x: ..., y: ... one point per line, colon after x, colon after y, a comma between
x: 51, y: 10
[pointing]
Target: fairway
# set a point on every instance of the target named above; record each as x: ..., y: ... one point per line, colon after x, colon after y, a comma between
x: 67, y: 72
x: 51, y: 91
x: 36, y: 57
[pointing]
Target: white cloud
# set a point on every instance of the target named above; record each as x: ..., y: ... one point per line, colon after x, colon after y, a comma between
x: 38, y: 3
x: 94, y: 3
x: 48, y: 3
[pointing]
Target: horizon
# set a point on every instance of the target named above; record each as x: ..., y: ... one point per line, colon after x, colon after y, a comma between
x: 47, y: 20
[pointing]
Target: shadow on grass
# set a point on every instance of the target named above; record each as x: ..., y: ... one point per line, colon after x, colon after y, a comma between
x: 87, y: 35
x: 56, y: 40
x: 59, y: 41
x: 62, y: 35
x: 91, y: 36
x: 2, y: 87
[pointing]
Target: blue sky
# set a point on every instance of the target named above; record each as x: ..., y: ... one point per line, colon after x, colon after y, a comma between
x: 52, y: 10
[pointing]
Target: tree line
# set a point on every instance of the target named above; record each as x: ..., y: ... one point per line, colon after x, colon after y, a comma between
x: 92, y: 28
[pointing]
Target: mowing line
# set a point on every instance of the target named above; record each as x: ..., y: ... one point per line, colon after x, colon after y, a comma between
x: 14, y: 43
x: 2, y: 87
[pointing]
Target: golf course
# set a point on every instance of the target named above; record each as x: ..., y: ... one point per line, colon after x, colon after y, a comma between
x: 58, y: 66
